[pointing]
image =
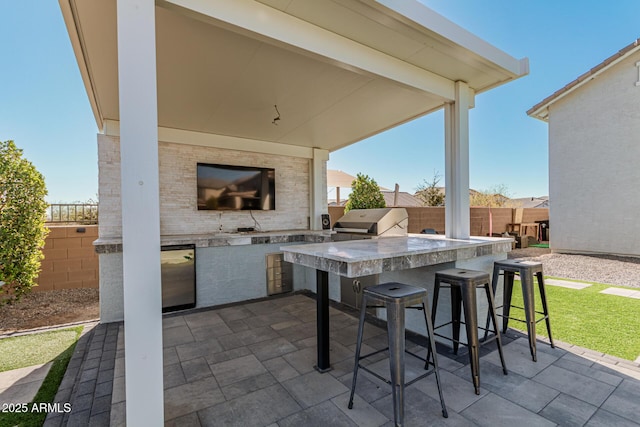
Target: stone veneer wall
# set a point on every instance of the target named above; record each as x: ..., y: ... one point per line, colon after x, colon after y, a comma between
x: 178, y: 207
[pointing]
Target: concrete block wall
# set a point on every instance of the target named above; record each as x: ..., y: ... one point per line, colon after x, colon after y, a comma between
x: 426, y: 217
x: 533, y: 215
x: 481, y: 222
x: 70, y: 260
x: 178, y: 190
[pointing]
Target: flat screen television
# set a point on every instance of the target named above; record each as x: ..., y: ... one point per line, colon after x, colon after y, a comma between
x: 227, y: 187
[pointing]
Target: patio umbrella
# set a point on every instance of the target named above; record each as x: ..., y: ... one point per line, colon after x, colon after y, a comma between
x: 339, y: 179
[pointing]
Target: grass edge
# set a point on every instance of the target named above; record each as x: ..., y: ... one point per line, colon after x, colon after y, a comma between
x: 47, y: 391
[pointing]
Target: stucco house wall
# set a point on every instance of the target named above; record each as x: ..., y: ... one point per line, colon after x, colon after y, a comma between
x: 594, y: 148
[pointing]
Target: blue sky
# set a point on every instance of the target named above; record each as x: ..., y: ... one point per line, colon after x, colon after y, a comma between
x: 43, y: 105
x: 561, y: 38
x: 44, y: 108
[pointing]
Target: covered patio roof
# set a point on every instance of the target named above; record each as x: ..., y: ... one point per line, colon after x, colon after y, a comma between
x: 332, y: 72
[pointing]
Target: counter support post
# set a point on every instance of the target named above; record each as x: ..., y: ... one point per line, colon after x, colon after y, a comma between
x: 322, y: 320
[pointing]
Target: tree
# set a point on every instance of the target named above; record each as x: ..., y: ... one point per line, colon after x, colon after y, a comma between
x: 496, y: 197
x: 429, y: 193
x: 365, y: 194
x: 22, y: 217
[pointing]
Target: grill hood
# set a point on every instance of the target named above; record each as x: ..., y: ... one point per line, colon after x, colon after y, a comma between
x: 374, y: 222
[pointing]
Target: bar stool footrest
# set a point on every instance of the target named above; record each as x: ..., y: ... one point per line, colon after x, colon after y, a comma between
x: 372, y: 354
x: 544, y: 317
x: 481, y: 343
x: 408, y: 383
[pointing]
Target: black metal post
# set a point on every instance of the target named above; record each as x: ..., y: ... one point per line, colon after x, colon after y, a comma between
x: 322, y: 321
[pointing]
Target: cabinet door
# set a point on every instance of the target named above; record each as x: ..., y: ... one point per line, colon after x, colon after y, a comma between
x: 286, y: 276
x: 279, y: 274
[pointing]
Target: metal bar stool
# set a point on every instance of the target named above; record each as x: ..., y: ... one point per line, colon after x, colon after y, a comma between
x: 396, y: 297
x: 463, y: 285
x: 526, y: 270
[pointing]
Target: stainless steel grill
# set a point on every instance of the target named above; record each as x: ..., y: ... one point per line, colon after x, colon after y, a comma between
x: 371, y: 223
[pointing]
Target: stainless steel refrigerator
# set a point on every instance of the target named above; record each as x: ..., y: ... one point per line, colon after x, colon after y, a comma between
x: 178, y: 269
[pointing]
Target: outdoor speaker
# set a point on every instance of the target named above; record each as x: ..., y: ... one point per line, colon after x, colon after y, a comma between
x: 326, y: 222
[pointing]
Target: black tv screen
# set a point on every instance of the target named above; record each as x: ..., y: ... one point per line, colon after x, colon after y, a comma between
x: 226, y: 187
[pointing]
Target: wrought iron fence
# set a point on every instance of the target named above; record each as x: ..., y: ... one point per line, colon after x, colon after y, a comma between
x: 72, y: 213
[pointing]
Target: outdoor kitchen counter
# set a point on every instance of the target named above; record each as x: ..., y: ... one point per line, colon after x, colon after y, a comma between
x: 105, y: 245
x: 230, y: 266
x: 355, y: 258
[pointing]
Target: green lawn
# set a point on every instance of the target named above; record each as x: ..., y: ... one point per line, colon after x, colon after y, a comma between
x: 34, y: 349
x: 606, y: 323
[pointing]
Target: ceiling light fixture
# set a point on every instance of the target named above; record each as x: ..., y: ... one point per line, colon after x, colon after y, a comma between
x: 275, y: 119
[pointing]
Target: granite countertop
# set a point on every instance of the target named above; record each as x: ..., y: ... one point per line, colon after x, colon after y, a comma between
x: 356, y: 258
x: 114, y: 244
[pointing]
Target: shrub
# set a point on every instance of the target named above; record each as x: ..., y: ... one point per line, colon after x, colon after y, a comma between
x: 365, y: 194
x: 429, y: 193
x: 22, y: 217
x: 496, y: 197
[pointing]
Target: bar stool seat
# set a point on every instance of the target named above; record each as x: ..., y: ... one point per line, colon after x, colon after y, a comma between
x: 396, y: 297
x: 526, y: 270
x: 463, y: 284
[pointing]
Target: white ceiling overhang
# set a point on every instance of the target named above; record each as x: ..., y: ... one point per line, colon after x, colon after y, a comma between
x: 338, y: 71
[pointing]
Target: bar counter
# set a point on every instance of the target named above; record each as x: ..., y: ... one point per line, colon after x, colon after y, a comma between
x: 356, y: 258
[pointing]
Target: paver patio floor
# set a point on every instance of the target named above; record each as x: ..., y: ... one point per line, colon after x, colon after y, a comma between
x: 252, y: 365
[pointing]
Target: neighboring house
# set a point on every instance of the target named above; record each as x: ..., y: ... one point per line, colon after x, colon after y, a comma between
x: 594, y: 147
x: 531, y: 202
x: 404, y: 199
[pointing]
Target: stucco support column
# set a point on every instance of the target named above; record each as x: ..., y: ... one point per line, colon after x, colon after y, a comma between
x: 318, y: 188
x: 140, y: 212
x: 456, y: 119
